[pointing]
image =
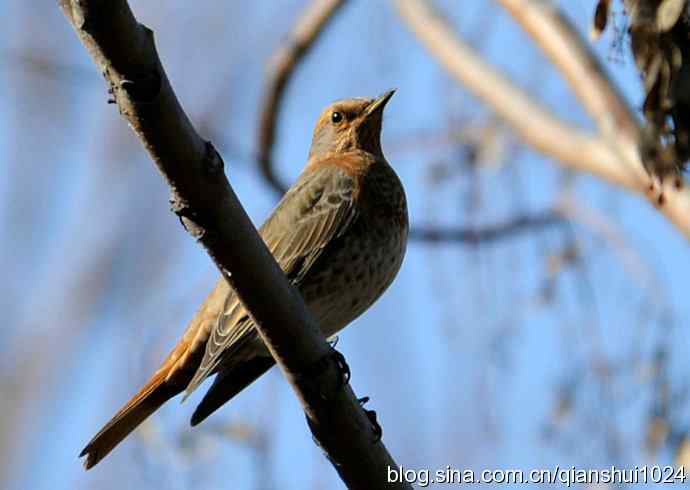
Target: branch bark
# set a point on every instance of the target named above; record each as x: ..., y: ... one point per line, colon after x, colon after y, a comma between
x: 124, y: 51
x: 618, y: 164
x: 283, y: 64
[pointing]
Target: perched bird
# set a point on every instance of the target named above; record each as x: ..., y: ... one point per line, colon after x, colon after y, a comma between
x: 339, y: 233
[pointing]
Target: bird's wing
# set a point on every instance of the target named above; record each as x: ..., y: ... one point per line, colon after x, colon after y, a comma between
x: 317, y: 209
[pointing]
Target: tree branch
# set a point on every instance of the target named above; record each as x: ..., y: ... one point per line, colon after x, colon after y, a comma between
x: 569, y: 52
x: 500, y: 231
x: 124, y: 51
x: 283, y: 64
x: 537, y: 126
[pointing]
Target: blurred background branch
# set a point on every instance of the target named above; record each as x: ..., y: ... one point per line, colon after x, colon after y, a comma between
x: 490, y: 233
x: 619, y: 164
x: 283, y: 63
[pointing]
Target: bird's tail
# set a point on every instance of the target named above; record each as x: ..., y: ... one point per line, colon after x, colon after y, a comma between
x: 229, y: 383
x: 154, y: 394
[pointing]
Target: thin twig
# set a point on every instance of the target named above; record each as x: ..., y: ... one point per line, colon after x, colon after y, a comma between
x: 491, y: 233
x: 599, y: 225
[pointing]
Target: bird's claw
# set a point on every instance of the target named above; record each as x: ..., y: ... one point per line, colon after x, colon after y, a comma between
x: 371, y: 415
x: 322, y: 365
x: 343, y: 368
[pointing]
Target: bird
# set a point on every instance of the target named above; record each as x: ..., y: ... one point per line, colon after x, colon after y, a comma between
x: 339, y: 234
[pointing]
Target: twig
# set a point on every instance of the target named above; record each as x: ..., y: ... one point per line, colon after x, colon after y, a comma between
x: 124, y: 51
x: 536, y: 125
x: 598, y: 224
x: 509, y: 229
x: 282, y: 66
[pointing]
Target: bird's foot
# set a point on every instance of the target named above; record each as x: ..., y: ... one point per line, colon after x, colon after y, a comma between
x: 371, y: 415
x: 343, y: 368
x: 340, y: 362
x: 323, y: 365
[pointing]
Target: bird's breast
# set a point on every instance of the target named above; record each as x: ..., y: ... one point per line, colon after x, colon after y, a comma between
x: 360, y: 264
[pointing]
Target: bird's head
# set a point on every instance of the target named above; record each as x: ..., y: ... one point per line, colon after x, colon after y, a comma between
x: 350, y: 124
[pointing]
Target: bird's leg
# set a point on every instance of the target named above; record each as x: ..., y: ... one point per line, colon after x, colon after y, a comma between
x: 371, y: 415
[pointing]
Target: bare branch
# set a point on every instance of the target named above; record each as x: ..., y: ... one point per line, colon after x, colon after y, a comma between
x: 124, y: 51
x: 536, y: 125
x: 282, y: 66
x: 501, y: 231
x: 542, y: 129
x: 569, y: 52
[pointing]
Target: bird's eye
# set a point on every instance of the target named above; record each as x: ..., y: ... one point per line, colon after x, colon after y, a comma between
x: 336, y: 117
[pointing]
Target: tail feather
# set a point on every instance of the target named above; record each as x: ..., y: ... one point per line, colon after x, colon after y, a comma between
x: 229, y: 383
x: 154, y: 394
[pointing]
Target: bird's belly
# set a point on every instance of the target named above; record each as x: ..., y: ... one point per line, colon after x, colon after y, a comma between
x: 352, y: 275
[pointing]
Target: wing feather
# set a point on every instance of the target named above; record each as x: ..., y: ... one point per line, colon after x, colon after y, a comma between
x: 319, y: 208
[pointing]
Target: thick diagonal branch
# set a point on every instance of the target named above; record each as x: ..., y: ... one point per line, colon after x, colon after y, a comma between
x: 124, y: 51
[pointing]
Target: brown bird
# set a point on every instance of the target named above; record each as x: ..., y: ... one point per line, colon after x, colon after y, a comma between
x: 339, y: 234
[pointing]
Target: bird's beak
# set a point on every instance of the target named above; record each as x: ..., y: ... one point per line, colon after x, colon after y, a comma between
x: 380, y: 102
